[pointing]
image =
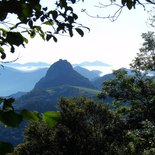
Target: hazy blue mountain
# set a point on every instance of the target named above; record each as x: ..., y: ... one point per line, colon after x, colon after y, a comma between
x: 17, y: 95
x: 13, y: 80
x: 98, y: 83
x: 62, y: 73
x: 94, y: 63
x: 91, y: 75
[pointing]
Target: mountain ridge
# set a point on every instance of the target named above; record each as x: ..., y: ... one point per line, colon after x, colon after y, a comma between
x: 60, y: 73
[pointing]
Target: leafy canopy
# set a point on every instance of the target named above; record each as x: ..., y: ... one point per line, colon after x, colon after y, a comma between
x: 86, y: 127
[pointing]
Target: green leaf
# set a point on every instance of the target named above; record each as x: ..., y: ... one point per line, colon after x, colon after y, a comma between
x: 29, y: 115
x: 4, y: 32
x: 32, y: 33
x: 80, y: 31
x: 49, y: 22
x: 5, y: 148
x: 25, y: 40
x: 1, y: 49
x: 51, y: 118
x: 3, y: 55
x: 10, y: 118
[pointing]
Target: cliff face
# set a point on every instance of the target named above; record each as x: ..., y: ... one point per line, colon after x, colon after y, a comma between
x: 62, y: 73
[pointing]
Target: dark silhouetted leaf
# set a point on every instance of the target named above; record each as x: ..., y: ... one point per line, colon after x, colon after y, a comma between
x: 32, y: 34
x: 5, y: 148
x: 14, y: 38
x: 124, y: 2
x: 129, y: 4
x: 55, y: 39
x: 80, y: 32
x: 12, y: 50
x: 73, y: 1
x: 54, y: 14
x: 48, y: 37
x: 10, y: 118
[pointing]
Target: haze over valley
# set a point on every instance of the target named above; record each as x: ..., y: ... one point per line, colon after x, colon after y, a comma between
x: 15, y: 77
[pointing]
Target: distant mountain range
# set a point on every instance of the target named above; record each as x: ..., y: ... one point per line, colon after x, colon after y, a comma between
x: 37, y: 65
x: 13, y: 80
x: 60, y: 80
x: 94, y: 63
x: 98, y: 83
x: 91, y: 75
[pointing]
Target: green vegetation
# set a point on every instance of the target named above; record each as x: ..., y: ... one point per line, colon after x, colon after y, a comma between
x: 86, y: 127
x: 91, y: 91
x: 42, y: 100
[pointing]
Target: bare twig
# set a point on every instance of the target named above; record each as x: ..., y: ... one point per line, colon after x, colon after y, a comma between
x: 112, y: 18
x: 11, y: 61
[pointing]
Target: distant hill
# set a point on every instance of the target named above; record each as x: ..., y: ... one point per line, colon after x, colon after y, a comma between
x: 17, y: 95
x: 91, y: 75
x: 98, y: 83
x: 94, y: 63
x: 13, y: 80
x: 62, y: 73
x: 47, y: 99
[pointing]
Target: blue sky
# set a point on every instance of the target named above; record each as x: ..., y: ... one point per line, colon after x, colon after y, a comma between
x: 115, y: 43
